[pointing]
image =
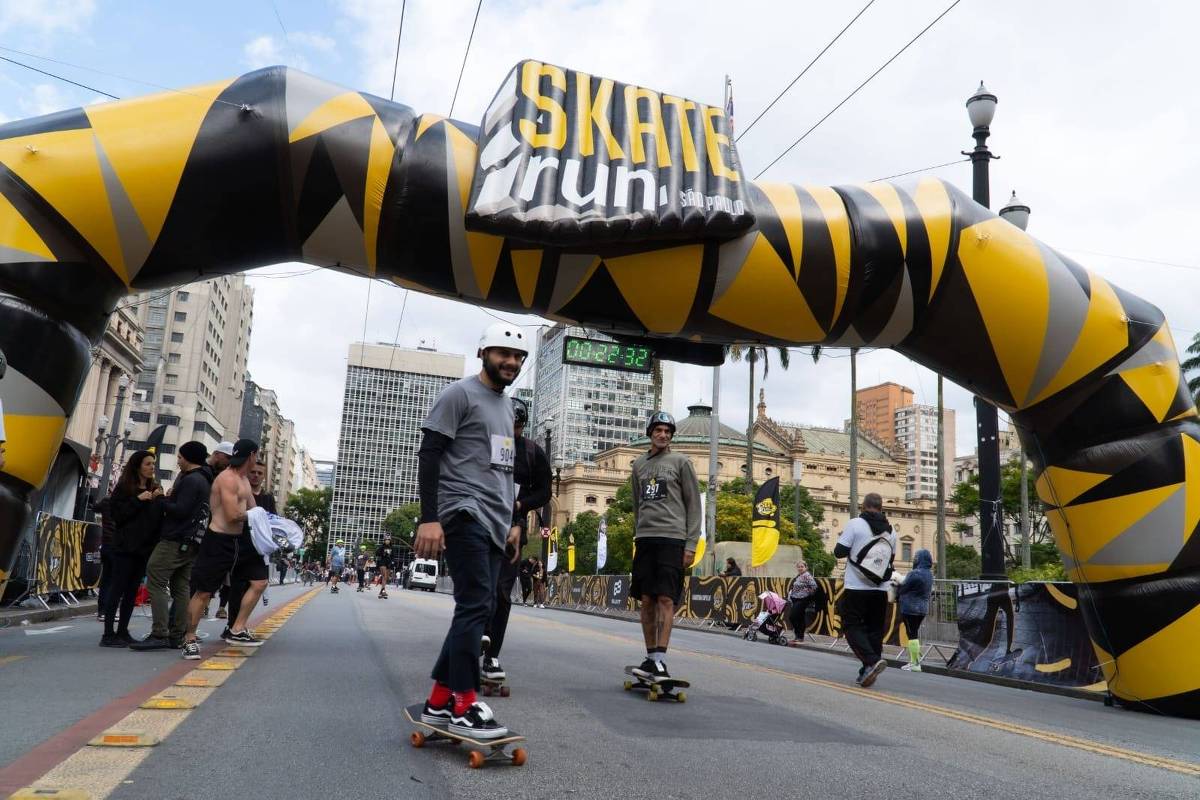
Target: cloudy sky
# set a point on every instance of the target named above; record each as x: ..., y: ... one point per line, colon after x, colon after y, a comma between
x: 1097, y: 110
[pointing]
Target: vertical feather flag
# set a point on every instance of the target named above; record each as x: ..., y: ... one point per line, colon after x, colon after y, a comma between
x: 552, y: 558
x: 700, y: 545
x: 764, y: 525
x: 570, y: 552
x: 602, y: 545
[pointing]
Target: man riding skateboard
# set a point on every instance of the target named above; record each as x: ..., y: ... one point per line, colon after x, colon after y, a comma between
x: 465, y: 474
x: 666, y: 524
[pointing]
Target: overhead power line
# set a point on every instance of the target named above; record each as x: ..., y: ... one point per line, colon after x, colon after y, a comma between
x: 396, y: 64
x: 466, y: 53
x: 846, y: 99
x: 787, y: 88
x: 59, y: 77
x: 922, y: 169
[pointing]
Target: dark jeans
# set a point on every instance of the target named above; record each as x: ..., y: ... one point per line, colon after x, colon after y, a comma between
x: 912, y: 625
x: 864, y: 613
x: 797, y: 617
x: 127, y: 575
x: 106, y: 570
x: 499, y: 622
x: 474, y: 562
x: 526, y: 588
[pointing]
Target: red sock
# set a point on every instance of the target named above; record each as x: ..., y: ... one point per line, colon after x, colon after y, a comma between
x: 463, y: 701
x: 440, y: 695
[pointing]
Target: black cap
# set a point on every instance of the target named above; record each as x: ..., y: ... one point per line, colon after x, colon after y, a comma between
x: 194, y: 452
x: 242, y: 450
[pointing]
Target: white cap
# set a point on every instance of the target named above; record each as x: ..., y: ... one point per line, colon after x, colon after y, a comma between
x: 501, y: 334
x: 226, y: 448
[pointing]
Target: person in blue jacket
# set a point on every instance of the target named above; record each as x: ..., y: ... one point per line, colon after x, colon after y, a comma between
x: 913, y: 596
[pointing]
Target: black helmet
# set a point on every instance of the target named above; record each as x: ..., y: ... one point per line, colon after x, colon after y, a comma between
x: 520, y: 411
x: 660, y: 418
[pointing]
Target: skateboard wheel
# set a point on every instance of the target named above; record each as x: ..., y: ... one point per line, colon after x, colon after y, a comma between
x: 475, y: 760
x: 651, y: 696
x: 681, y: 697
x: 519, y: 757
x: 417, y: 739
x: 487, y: 690
x: 628, y: 686
x: 505, y: 691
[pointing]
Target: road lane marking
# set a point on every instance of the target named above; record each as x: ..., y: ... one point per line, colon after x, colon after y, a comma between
x: 10, y: 659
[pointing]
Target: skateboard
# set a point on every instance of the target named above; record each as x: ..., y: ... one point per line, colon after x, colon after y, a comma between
x: 383, y: 596
x: 495, y: 687
x: 656, y: 689
x: 488, y: 749
x: 333, y: 589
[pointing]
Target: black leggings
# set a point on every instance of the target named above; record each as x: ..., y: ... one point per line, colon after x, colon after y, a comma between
x: 127, y: 573
x: 912, y: 625
x: 797, y: 617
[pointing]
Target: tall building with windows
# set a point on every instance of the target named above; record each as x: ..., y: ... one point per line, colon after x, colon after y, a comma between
x: 916, y: 434
x: 262, y: 421
x: 389, y: 390
x: 589, y: 410
x: 326, y: 472
x: 195, y: 350
x: 877, y: 406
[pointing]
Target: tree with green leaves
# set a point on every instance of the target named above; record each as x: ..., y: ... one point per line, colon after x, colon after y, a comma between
x: 965, y: 498
x: 309, y: 508
x: 962, y: 562
x: 401, y: 522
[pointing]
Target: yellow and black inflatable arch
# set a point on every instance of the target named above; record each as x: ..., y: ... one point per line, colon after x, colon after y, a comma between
x: 279, y: 166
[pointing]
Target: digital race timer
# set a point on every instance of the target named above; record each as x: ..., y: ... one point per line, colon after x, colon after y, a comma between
x: 612, y: 355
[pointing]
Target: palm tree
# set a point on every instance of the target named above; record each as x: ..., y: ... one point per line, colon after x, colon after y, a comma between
x: 1192, y: 365
x: 753, y: 355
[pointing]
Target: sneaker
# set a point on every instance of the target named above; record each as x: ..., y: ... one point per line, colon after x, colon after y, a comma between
x: 492, y: 669
x: 225, y: 634
x: 861, y: 672
x: 383, y: 596
x: 243, y: 639
x: 222, y: 613
x: 660, y: 671
x: 191, y: 650
x: 438, y: 716
x: 111, y: 640
x: 126, y: 638
x: 152, y: 642
x: 477, y: 722
x: 871, y: 674
x: 646, y: 669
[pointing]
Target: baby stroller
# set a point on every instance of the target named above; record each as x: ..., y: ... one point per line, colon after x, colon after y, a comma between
x: 769, y: 621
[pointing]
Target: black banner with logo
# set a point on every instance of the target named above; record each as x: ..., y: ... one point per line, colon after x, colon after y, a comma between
x: 567, y: 158
x: 68, y: 554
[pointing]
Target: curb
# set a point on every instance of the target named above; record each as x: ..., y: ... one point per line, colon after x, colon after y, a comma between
x: 9, y: 619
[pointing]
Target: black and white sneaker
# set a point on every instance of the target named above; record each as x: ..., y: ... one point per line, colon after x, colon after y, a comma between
x: 492, y: 669
x: 871, y: 674
x: 477, y: 722
x: 438, y: 716
x: 191, y: 650
x: 243, y: 639
x: 225, y: 634
x: 645, y: 669
x: 660, y: 671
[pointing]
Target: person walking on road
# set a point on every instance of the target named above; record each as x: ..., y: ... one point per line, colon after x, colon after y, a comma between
x: 804, y: 586
x: 231, y: 501
x: 913, y: 595
x: 538, y: 572
x: 666, y: 529
x: 526, y: 577
x: 385, y: 557
x: 360, y: 567
x: 137, y: 515
x: 250, y: 574
x: 169, y: 572
x: 869, y: 547
x: 465, y: 474
x: 532, y: 474
x: 337, y: 563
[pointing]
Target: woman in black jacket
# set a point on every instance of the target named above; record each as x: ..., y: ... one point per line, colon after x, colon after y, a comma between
x: 136, y: 514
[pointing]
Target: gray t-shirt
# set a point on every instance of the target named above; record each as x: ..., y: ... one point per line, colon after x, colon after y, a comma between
x: 855, y: 536
x: 477, y: 467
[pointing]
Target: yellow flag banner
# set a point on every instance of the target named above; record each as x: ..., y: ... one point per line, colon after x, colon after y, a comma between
x: 764, y: 524
x: 570, y: 552
x: 700, y: 545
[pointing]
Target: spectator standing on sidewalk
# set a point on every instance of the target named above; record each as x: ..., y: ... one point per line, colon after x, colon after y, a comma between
x: 526, y: 580
x: 913, y: 596
x: 869, y: 547
x: 137, y: 515
x: 804, y: 586
x: 168, y: 573
x: 248, y: 557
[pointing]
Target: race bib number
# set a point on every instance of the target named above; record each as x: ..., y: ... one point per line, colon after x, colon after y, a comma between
x: 503, y: 452
x: 654, y: 491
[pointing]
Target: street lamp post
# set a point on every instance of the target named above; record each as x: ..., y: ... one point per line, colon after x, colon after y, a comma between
x: 1017, y: 213
x: 547, y: 510
x: 110, y: 449
x: 981, y: 107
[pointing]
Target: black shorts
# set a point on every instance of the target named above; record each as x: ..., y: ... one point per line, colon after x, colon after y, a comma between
x: 658, y: 569
x: 217, y: 554
x: 250, y: 565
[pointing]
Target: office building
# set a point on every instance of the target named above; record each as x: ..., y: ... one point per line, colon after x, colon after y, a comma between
x: 916, y: 434
x: 877, y: 406
x: 326, y: 472
x: 389, y: 390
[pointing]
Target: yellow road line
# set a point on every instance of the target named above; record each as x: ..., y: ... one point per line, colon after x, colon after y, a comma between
x: 10, y: 659
x: 1162, y: 762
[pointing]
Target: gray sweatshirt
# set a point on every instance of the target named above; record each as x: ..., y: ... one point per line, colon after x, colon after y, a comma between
x: 666, y: 498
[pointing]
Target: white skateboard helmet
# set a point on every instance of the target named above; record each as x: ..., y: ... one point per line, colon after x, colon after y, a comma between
x: 501, y: 334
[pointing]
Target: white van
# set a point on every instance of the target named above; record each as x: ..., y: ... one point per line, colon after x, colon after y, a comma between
x: 422, y: 574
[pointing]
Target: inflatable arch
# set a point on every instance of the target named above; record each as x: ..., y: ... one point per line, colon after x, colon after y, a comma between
x: 279, y: 166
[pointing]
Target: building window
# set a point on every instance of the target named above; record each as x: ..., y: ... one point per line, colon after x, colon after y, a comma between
x: 177, y: 337
x: 906, y: 549
x: 181, y: 316
x: 183, y: 296
x: 173, y: 358
x: 168, y: 419
x: 158, y: 317
x: 139, y: 416
x: 608, y: 501
x: 165, y: 474
x: 166, y: 449
x: 590, y: 499
x: 171, y: 379
x: 168, y: 399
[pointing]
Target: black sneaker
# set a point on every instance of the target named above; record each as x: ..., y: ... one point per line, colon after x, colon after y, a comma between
x: 477, y: 722
x: 492, y: 669
x: 861, y: 672
x: 660, y: 671
x: 438, y: 716
x: 646, y: 669
x: 125, y: 637
x: 225, y: 634
x: 243, y: 639
x: 871, y: 674
x: 151, y: 642
x: 191, y: 650
x: 111, y: 640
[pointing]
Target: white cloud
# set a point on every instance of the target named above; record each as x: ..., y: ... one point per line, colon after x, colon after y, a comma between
x: 45, y: 98
x: 297, y: 50
x: 263, y: 51
x: 45, y: 16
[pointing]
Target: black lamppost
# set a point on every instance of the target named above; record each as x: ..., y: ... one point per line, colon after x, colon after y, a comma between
x: 547, y: 510
x: 981, y: 107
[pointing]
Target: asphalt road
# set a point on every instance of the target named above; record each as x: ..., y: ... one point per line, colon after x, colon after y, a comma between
x: 318, y: 713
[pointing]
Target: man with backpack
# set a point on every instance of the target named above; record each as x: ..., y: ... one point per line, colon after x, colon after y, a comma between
x: 869, y: 547
x: 168, y: 572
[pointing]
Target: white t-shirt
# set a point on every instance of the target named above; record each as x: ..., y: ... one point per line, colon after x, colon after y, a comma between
x: 855, y: 536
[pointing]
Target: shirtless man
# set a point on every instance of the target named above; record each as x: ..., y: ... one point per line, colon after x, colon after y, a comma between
x: 231, y: 500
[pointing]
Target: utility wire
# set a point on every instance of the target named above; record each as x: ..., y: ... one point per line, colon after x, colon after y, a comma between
x: 1193, y: 267
x: 846, y: 99
x: 463, y: 68
x: 787, y: 88
x: 59, y: 77
x: 396, y: 65
x: 922, y: 169
x: 287, y: 39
